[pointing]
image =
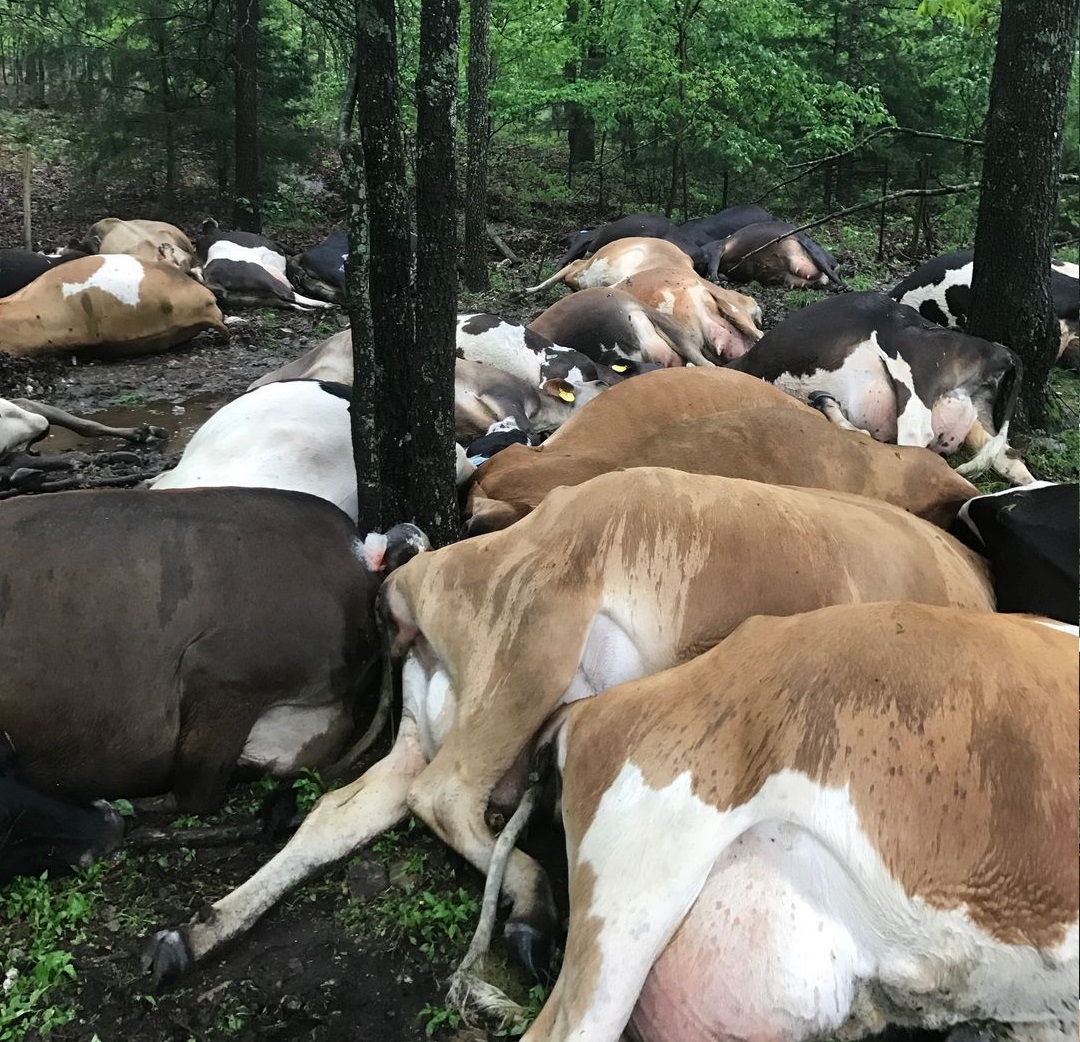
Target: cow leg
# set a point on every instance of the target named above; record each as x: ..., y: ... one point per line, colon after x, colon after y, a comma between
x: 90, y: 428
x: 995, y: 452
x: 338, y: 824
x: 829, y: 407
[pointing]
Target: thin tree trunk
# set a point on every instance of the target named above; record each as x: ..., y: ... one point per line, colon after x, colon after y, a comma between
x: 434, y: 495
x: 1010, y: 286
x: 246, y: 209
x: 475, y: 252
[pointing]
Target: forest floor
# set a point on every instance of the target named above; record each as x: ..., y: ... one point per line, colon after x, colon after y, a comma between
x: 361, y: 954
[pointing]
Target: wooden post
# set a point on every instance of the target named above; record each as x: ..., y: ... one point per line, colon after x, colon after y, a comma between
x: 881, y: 217
x: 28, y: 169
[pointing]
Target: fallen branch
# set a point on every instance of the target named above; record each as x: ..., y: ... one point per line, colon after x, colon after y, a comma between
x: 503, y: 248
x: 145, y: 837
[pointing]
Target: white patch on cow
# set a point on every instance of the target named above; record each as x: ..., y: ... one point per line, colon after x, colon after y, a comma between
x: 291, y: 435
x: 427, y: 696
x: 667, y: 302
x: 1066, y: 268
x: 263, y: 256
x: 1061, y: 627
x: 914, y: 298
x: 504, y: 347
x: 19, y: 429
x: 119, y: 276
x: 278, y: 738
x: 597, y: 274
x: 371, y: 551
x: 914, y: 425
x: 235, y: 320
x: 464, y: 468
x: 609, y: 657
x: 839, y: 938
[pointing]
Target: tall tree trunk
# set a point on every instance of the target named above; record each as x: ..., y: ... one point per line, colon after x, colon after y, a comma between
x: 380, y: 278
x: 1010, y: 286
x: 246, y: 211
x: 581, y: 129
x: 434, y: 495
x: 477, y: 131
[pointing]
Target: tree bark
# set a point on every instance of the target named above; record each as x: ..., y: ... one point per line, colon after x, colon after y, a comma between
x: 432, y: 471
x: 581, y: 129
x: 246, y: 211
x: 477, y: 132
x: 1010, y: 285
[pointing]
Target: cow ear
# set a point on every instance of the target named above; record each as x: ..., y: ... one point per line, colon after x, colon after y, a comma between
x: 559, y: 389
x: 209, y: 225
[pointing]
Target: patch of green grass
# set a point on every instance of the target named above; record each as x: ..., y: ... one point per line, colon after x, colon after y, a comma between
x: 800, y: 298
x: 130, y: 398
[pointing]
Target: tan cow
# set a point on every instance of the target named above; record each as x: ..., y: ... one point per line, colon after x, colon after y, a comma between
x: 724, y: 323
x: 618, y: 578
x: 150, y: 241
x: 112, y: 305
x: 830, y: 823
x: 616, y: 261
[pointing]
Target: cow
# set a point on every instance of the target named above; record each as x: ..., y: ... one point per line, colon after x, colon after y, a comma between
x: 940, y: 290
x: 722, y: 324
x: 23, y: 423
x: 247, y: 270
x: 752, y: 254
x: 149, y: 241
x: 330, y: 360
x: 617, y: 260
x: 718, y: 427
x: 19, y: 268
x: 637, y: 225
x: 617, y: 578
x: 878, y: 366
x: 1030, y: 534
x: 110, y: 306
x: 831, y: 823
x: 245, y: 622
x: 702, y: 230
x: 40, y: 832
x: 597, y: 322
x: 320, y: 271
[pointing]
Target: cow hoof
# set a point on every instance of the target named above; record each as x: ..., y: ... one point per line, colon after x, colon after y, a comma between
x: 152, y: 433
x: 820, y: 400
x: 531, y: 947
x: 165, y: 956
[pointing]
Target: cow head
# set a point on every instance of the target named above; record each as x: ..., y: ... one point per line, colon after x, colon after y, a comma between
x: 1069, y: 347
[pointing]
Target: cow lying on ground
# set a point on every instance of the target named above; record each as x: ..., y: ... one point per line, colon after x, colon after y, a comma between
x: 19, y: 268
x: 859, y: 817
x: 150, y: 241
x: 22, y: 423
x: 41, y: 832
x: 247, y: 270
x: 722, y: 324
x: 751, y: 254
x: 320, y: 270
x: 878, y: 366
x: 940, y: 290
x: 111, y: 306
x: 616, y: 261
x: 1030, y: 536
x: 775, y: 445
x: 720, y: 225
x: 597, y: 322
x: 634, y: 225
x: 615, y: 579
x: 218, y: 669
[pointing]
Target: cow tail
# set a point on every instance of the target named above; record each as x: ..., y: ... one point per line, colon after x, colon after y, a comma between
x: 1008, y: 390
x: 819, y: 257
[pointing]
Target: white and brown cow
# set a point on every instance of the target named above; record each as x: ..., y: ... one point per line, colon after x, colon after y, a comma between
x: 831, y: 823
x: 150, y: 241
x: 872, y: 364
x: 112, y: 306
x: 616, y: 261
x: 722, y: 323
x: 618, y: 578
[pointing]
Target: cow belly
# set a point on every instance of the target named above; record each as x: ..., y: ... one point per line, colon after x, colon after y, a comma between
x: 288, y: 738
x: 609, y: 657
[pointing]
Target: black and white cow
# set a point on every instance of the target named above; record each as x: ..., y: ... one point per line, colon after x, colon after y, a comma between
x: 874, y: 365
x: 1030, y: 535
x: 247, y: 270
x: 320, y: 271
x: 940, y: 290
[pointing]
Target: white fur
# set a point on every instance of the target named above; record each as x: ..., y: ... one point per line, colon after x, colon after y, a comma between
x: 913, y: 425
x: 1066, y: 268
x: 503, y: 347
x: 961, y: 276
x: 280, y: 734
x: 119, y: 276
x: 19, y: 429
x: 263, y: 256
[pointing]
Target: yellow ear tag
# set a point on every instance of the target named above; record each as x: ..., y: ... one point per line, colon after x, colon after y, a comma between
x: 619, y: 368
x: 565, y: 395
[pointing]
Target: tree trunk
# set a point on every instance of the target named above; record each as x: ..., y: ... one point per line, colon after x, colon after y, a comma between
x: 432, y: 473
x: 581, y: 130
x: 246, y: 214
x: 1010, y: 286
x: 379, y: 278
x: 475, y: 252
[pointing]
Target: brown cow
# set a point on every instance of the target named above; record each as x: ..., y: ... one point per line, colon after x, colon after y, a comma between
x: 618, y: 578
x: 830, y: 823
x: 150, y: 241
x: 616, y: 261
x: 112, y: 305
x: 724, y: 323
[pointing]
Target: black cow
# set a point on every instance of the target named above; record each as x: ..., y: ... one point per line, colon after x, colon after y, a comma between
x: 649, y: 225
x: 152, y: 642
x: 874, y: 365
x: 44, y: 833
x: 320, y: 271
x: 720, y: 225
x: 18, y: 268
x: 1031, y: 536
x: 940, y: 290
